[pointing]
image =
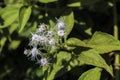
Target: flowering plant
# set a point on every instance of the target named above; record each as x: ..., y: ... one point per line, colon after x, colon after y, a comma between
x: 44, y: 39
x: 59, y: 40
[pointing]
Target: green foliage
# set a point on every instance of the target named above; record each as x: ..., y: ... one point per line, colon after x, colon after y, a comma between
x: 91, y: 57
x: 75, y: 42
x: 24, y: 15
x: 2, y: 43
x: 92, y: 74
x: 14, y: 44
x: 101, y: 42
x: 85, y: 47
x: 75, y: 4
x: 62, y: 59
x: 9, y: 14
x: 47, y: 1
x: 104, y: 43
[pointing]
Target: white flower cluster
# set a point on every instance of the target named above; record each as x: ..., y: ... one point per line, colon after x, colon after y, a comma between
x: 45, y: 37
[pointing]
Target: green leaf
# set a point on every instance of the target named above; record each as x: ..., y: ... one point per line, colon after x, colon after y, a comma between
x: 92, y: 74
x: 26, y: 31
x: 69, y: 20
x: 52, y: 23
x: 62, y: 60
x: 24, y: 15
x: 53, y: 50
x: 28, y: 71
x: 6, y: 9
x: 103, y: 42
x: 2, y: 42
x: 39, y: 72
x: 9, y: 15
x: 89, y: 31
x: 14, y: 44
x: 91, y: 57
x: 75, y: 42
x: 13, y: 27
x: 47, y: 1
x: 69, y: 48
x: 75, y: 4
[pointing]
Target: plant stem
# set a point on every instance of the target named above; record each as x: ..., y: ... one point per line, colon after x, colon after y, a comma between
x: 115, y: 19
x: 117, y: 56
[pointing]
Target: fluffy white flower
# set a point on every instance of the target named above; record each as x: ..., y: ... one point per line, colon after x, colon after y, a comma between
x: 60, y: 25
x: 41, y: 28
x: 43, y: 62
x: 61, y: 33
x: 34, y: 53
x: 26, y: 52
x: 36, y: 37
x: 44, y: 41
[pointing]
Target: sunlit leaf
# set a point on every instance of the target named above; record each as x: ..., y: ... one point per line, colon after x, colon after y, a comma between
x: 9, y: 15
x: 14, y: 44
x: 75, y: 4
x: 47, y: 1
x: 13, y: 27
x: 89, y: 31
x: 26, y: 31
x: 8, y: 9
x: 103, y: 42
x: 62, y: 60
x: 24, y: 15
x: 91, y: 57
x: 92, y: 74
x: 2, y: 43
x: 52, y: 23
x: 75, y: 42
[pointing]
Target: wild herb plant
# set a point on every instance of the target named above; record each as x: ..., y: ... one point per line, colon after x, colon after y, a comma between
x: 66, y: 39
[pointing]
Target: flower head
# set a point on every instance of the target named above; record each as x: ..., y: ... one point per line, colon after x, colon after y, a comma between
x: 36, y: 37
x: 61, y: 33
x: 44, y: 41
x: 41, y: 28
x: 60, y: 25
x: 26, y: 52
x: 33, y: 53
x: 43, y: 62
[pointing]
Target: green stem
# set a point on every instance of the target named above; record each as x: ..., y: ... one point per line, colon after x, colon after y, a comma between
x: 115, y: 19
x: 117, y: 56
